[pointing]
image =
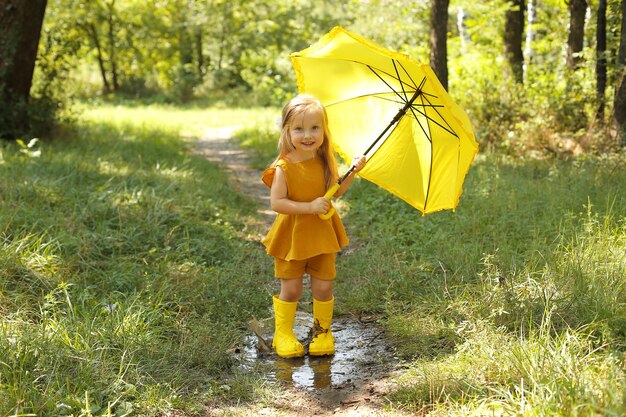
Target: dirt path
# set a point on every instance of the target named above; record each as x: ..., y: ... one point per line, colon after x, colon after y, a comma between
x: 351, y: 383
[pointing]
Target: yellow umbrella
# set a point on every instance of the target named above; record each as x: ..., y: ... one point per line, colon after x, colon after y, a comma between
x: 394, y: 110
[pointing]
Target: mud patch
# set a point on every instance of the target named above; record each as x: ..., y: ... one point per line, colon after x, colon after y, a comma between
x: 352, y: 382
x: 361, y: 352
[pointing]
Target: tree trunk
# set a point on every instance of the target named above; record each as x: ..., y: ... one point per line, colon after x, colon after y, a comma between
x: 438, y: 40
x: 576, y: 37
x: 21, y: 29
x: 460, y: 24
x: 530, y: 35
x: 619, y: 105
x: 93, y: 33
x: 513, y: 35
x: 621, y: 55
x: 200, y: 56
x: 185, y: 47
x: 601, y: 59
x: 112, y: 47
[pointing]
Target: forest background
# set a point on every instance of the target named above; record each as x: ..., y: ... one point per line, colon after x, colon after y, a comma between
x: 127, y: 270
x: 537, y: 70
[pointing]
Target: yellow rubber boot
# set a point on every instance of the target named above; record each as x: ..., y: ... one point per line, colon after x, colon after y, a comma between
x: 323, y: 342
x: 285, y: 342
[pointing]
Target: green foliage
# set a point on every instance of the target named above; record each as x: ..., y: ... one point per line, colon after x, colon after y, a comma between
x: 238, y: 52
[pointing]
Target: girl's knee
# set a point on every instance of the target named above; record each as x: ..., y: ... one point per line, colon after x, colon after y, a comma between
x: 322, y: 290
x: 290, y: 289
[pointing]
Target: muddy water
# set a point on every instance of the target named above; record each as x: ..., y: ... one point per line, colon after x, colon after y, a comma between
x: 362, y: 354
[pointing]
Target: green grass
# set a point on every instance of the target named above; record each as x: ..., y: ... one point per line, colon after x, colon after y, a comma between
x: 515, y: 304
x: 126, y: 273
x: 127, y: 276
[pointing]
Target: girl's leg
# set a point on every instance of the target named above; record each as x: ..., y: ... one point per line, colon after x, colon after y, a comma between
x: 285, y: 305
x: 322, y: 290
x: 323, y: 342
x: 290, y: 289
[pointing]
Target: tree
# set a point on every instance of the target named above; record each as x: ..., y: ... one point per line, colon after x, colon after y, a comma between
x: 619, y: 105
x: 21, y: 26
x: 530, y: 33
x: 513, y: 36
x: 601, y: 58
x: 576, y: 36
x: 438, y: 40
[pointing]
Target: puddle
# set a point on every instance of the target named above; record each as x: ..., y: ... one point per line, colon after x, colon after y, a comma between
x: 361, y: 354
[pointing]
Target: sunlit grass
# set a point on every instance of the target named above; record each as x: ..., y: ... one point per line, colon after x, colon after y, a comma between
x: 187, y: 121
x: 515, y: 304
x: 123, y: 283
x: 539, y: 374
x: 127, y: 276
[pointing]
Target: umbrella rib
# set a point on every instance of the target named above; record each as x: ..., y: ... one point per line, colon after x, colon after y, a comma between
x: 427, y: 134
x: 406, y: 98
x: 430, y: 167
x: 380, y: 96
x: 434, y: 107
x: 447, y: 129
x: 388, y: 99
x: 409, y: 75
x: 388, y: 85
x: 351, y: 98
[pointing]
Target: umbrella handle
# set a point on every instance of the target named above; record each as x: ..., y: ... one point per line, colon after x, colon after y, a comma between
x: 331, y: 192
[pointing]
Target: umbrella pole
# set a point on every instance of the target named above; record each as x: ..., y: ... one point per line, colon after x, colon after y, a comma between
x: 332, y: 190
x: 391, y: 124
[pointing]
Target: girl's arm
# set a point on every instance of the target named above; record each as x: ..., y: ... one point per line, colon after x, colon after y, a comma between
x: 281, y: 204
x: 358, y: 162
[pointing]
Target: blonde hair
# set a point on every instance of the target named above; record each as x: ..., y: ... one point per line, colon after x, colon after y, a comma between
x: 298, y: 105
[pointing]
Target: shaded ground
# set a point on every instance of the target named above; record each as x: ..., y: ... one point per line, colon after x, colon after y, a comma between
x: 354, y: 381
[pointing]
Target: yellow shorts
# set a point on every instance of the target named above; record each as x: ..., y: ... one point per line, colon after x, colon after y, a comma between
x: 320, y: 267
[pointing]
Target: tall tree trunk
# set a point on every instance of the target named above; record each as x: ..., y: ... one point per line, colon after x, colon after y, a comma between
x: 601, y: 59
x: 619, y: 105
x: 460, y: 24
x: 513, y: 36
x: 530, y: 35
x: 438, y: 40
x: 21, y: 29
x: 576, y: 37
x: 185, y: 47
x: 200, y: 56
x: 621, y: 55
x: 112, y: 45
x: 93, y: 34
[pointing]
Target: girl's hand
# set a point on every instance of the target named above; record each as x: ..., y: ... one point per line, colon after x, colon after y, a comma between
x: 358, y: 162
x: 320, y: 205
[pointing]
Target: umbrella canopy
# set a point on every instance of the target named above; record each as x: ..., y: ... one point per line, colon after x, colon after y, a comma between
x: 393, y: 109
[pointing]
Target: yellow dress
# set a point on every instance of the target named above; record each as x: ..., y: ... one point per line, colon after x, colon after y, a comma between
x: 303, y: 236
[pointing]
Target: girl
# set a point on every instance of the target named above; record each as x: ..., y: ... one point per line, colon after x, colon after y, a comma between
x: 299, y: 240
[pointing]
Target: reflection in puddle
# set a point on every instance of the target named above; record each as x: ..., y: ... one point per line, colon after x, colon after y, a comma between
x: 360, y: 350
x: 308, y: 371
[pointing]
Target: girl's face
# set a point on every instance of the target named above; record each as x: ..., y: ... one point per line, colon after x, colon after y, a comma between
x: 307, y: 132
